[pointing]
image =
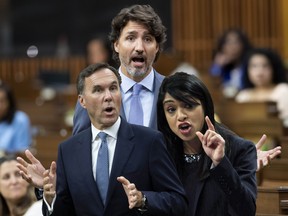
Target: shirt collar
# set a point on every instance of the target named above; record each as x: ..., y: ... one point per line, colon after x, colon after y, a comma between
x: 128, y: 83
x: 111, y: 131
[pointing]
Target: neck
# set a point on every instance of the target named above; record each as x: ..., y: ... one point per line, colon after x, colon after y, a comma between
x: 11, y: 206
x: 192, y: 147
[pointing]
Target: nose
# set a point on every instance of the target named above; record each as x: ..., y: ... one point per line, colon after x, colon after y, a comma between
x: 181, y: 115
x: 13, y: 179
x: 107, y: 96
x: 139, y: 46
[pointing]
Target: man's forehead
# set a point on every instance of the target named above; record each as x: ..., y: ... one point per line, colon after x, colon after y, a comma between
x: 101, y: 76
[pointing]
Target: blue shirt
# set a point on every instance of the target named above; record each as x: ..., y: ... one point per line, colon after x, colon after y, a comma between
x: 146, y: 95
x: 16, y: 136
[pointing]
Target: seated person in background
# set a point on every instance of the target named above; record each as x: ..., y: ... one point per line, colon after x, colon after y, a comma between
x: 16, y: 195
x: 228, y: 57
x: 264, y: 79
x: 15, y: 134
x: 98, y: 49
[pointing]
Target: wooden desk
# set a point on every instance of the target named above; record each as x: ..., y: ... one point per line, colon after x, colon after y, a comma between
x: 251, y: 120
x: 272, y: 201
x: 274, y: 175
x: 284, y: 144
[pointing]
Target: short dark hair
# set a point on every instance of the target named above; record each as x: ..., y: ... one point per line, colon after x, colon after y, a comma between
x: 91, y: 69
x: 143, y: 14
x: 12, y: 108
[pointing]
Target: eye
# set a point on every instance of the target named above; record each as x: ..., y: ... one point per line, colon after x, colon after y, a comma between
x: 170, y: 109
x: 17, y: 174
x: 97, y: 89
x: 6, y: 177
x: 130, y: 38
x: 113, y: 88
x: 148, y: 39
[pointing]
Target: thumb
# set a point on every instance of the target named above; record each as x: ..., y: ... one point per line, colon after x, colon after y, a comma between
x: 200, y: 136
x: 123, y: 180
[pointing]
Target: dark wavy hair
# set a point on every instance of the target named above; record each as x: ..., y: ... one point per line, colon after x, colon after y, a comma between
x: 143, y: 14
x: 275, y: 61
x: 185, y: 88
x: 243, y: 38
x: 12, y: 108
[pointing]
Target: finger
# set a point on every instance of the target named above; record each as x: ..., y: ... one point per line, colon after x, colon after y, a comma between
x: 216, y: 138
x: 46, y: 173
x: 275, y: 153
x: 53, y: 168
x: 21, y: 161
x: 209, y: 124
x: 123, y: 180
x: 31, y: 157
x: 132, y: 188
x: 199, y: 135
x: 21, y: 168
x: 26, y: 177
x: 260, y: 165
x: 261, y: 142
x: 268, y: 161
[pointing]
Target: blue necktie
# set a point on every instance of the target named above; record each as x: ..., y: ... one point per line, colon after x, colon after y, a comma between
x: 102, y: 169
x: 136, y: 110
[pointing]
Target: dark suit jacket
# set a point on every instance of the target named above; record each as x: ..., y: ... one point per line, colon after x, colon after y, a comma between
x: 81, y: 119
x: 231, y: 188
x: 140, y: 156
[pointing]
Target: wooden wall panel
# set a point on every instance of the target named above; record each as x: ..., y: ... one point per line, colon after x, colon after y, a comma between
x: 198, y: 23
x: 22, y: 73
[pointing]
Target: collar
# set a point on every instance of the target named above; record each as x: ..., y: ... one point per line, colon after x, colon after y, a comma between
x: 111, y: 131
x: 128, y: 83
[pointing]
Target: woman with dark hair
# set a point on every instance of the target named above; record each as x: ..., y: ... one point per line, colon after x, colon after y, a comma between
x: 229, y: 54
x: 16, y: 195
x: 216, y: 166
x: 15, y: 134
x: 264, y: 79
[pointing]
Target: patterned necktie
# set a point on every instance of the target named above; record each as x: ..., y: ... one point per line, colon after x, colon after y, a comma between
x: 102, y: 169
x: 136, y: 110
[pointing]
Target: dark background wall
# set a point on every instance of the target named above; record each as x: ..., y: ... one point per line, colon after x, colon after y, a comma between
x: 46, y: 22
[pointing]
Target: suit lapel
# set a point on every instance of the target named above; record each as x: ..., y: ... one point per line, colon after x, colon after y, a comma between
x: 84, y: 154
x: 124, y: 147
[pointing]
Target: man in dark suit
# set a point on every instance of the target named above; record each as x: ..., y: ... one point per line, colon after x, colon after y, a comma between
x: 137, y: 154
x: 136, y: 58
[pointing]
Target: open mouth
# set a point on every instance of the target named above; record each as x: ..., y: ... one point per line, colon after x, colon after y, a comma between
x: 109, y: 109
x: 184, y: 127
x: 138, y: 59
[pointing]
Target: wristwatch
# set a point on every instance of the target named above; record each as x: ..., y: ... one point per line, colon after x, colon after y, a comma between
x: 38, y: 193
x: 143, y: 207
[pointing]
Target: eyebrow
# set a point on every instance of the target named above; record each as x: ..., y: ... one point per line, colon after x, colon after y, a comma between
x: 168, y: 101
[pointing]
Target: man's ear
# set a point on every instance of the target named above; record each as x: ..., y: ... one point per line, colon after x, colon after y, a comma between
x: 116, y: 46
x: 81, y: 101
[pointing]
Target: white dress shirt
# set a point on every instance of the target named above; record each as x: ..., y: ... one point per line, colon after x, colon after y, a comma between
x: 112, y: 133
x: 146, y: 95
x: 111, y: 141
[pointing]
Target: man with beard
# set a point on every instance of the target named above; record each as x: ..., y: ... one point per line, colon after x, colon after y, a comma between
x: 137, y: 36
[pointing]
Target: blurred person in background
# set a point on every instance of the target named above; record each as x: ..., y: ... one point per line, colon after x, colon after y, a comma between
x: 98, y: 49
x: 264, y: 79
x: 16, y: 195
x: 228, y: 58
x: 15, y: 133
